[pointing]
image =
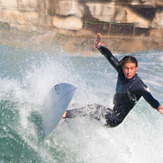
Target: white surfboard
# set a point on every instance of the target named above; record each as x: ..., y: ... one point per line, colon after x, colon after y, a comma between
x: 55, y: 105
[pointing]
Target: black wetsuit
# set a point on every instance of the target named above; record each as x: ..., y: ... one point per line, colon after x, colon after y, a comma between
x: 128, y: 92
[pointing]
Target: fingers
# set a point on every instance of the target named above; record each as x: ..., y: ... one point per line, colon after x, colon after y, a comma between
x: 99, y: 36
x: 98, y: 40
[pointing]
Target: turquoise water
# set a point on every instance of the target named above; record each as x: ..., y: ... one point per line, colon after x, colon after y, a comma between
x: 26, y: 77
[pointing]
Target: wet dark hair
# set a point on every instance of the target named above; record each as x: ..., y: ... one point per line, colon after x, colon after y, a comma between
x: 128, y: 59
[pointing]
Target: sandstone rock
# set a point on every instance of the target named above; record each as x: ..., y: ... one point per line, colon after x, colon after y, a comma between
x: 12, y: 17
x: 27, y: 4
x: 19, y: 20
x: 101, y: 11
x: 66, y: 8
x: 31, y: 18
x: 161, y: 19
x: 69, y: 23
x: 142, y: 3
x: 70, y: 14
x: 157, y: 22
x: 8, y: 4
x: 4, y: 26
x: 139, y: 21
x: 109, y: 12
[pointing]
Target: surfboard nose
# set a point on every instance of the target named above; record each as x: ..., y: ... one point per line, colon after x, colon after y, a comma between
x: 57, y: 102
x: 62, y: 88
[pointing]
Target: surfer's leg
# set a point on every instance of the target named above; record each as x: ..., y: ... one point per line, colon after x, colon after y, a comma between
x: 97, y: 111
x: 93, y: 110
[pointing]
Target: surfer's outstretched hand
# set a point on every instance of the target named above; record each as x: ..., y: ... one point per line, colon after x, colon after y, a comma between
x: 160, y: 108
x: 99, y: 41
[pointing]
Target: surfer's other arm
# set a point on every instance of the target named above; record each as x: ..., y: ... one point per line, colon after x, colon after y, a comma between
x: 153, y: 102
x: 106, y: 52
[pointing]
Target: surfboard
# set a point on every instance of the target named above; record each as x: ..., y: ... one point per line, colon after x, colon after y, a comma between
x: 56, y: 103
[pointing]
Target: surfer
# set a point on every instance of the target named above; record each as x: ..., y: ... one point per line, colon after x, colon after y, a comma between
x: 129, y: 89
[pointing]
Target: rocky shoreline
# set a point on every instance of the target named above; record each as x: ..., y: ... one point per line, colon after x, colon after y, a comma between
x: 80, y: 42
x: 127, y: 26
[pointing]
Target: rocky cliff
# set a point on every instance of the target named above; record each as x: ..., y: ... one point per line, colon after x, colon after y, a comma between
x: 110, y: 17
x: 74, y: 14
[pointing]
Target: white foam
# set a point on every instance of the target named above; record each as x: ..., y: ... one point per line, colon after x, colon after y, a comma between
x: 82, y: 140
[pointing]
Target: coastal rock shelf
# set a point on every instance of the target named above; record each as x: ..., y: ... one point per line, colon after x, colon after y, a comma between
x: 33, y: 15
x: 135, y: 25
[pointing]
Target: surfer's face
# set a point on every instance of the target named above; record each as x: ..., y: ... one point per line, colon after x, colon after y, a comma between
x: 129, y: 70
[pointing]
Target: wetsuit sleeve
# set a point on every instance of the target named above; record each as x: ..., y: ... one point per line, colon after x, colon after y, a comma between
x: 149, y: 98
x: 106, y: 52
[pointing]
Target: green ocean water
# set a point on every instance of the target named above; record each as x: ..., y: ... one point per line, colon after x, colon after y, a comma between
x: 26, y: 77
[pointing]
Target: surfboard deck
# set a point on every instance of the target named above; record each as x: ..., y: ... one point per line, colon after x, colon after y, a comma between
x: 56, y: 104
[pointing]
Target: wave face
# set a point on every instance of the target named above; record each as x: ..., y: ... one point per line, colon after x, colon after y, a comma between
x: 27, y: 77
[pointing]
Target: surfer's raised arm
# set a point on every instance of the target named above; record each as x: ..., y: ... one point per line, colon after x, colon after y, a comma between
x: 106, y: 52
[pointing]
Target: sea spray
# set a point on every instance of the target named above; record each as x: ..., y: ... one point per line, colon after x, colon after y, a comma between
x: 25, y: 82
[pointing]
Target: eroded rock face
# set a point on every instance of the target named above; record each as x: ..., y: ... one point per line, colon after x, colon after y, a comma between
x: 72, y: 14
x: 68, y: 23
